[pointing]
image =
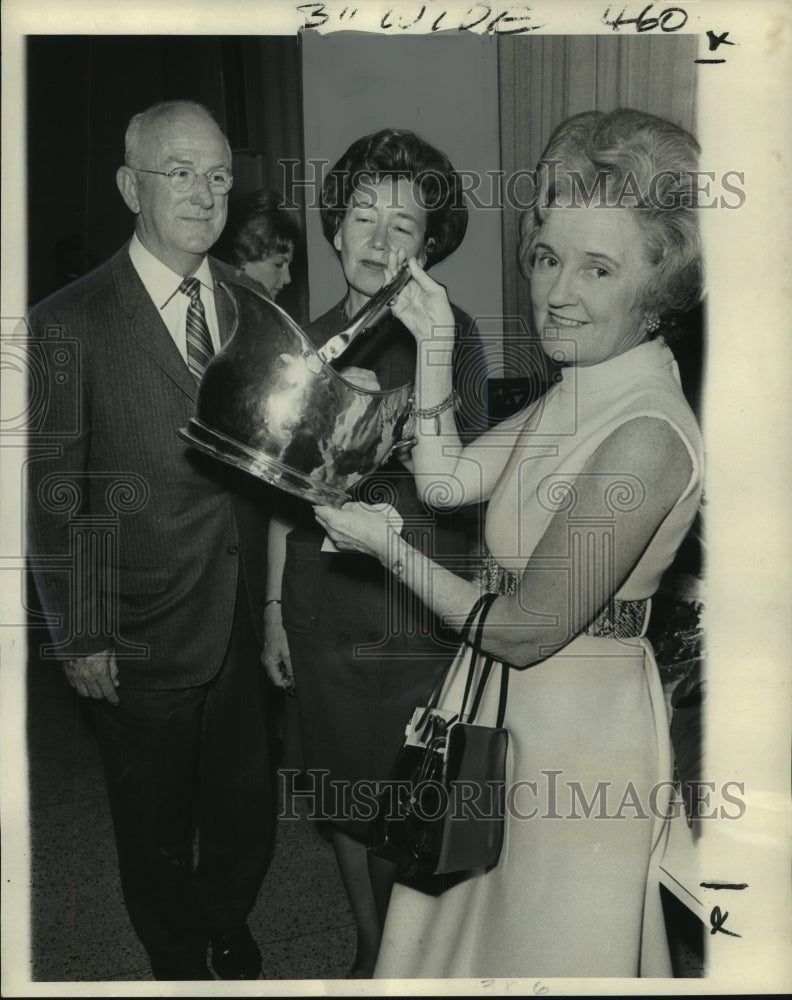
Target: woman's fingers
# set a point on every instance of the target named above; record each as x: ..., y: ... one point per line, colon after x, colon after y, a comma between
x: 396, y: 259
x: 357, y: 526
x: 423, y: 304
x: 336, y: 521
x: 424, y: 282
x: 418, y: 272
x: 325, y: 517
x: 390, y: 268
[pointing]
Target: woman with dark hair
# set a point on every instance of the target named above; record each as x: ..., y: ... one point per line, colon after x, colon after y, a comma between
x: 591, y: 492
x: 399, y: 154
x: 363, y: 652
x: 260, y: 238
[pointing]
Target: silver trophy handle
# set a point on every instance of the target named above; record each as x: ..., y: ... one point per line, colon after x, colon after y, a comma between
x: 371, y: 312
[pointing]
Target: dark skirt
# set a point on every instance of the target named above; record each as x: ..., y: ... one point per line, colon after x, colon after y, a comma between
x: 364, y: 652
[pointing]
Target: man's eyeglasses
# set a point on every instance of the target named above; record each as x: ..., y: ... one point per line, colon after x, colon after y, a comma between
x: 184, y: 178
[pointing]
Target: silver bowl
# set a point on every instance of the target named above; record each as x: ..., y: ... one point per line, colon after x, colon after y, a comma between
x: 271, y: 404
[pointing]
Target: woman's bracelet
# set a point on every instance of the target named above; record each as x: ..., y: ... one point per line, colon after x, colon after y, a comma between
x: 274, y: 600
x: 397, y: 564
x: 435, y: 411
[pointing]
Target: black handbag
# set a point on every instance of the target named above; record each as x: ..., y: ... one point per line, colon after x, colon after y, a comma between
x: 442, y: 813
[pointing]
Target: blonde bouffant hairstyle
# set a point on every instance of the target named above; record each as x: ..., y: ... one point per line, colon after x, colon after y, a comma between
x: 630, y: 159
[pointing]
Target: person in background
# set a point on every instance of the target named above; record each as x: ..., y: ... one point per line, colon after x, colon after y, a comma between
x: 260, y: 239
x: 158, y: 624
x: 362, y: 653
x: 591, y: 492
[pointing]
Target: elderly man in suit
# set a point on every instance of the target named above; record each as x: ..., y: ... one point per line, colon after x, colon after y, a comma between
x: 148, y: 557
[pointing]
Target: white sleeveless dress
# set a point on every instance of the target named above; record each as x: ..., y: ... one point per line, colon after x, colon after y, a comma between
x: 575, y: 893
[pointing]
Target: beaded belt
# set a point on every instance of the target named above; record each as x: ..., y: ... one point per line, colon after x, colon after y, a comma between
x: 616, y: 620
x: 494, y: 578
x: 619, y: 620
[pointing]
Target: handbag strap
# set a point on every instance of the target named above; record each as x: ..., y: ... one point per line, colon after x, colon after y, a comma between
x: 485, y: 671
x: 482, y: 602
x: 504, y: 690
x: 481, y: 606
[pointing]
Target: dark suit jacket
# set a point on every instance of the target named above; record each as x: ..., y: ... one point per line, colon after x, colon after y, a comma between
x: 136, y: 540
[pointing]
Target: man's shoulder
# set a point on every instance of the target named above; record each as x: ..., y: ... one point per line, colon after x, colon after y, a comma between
x: 82, y: 293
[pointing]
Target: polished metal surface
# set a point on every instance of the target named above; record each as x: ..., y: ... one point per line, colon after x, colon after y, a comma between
x: 268, y: 403
x: 373, y: 310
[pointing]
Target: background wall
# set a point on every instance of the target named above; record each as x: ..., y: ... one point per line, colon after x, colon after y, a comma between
x: 443, y: 88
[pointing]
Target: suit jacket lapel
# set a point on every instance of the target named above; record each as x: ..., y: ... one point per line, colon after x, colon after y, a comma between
x: 147, y: 327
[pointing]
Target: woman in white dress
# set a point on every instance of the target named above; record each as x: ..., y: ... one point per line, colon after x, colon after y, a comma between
x: 591, y: 491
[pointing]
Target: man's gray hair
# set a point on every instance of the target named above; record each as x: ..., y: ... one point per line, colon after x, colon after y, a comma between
x: 143, y: 122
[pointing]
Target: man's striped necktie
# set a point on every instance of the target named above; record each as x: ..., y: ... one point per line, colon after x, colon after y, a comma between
x: 199, y: 342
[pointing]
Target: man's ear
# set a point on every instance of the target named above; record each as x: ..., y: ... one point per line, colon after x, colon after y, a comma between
x: 127, y: 182
x: 337, y: 239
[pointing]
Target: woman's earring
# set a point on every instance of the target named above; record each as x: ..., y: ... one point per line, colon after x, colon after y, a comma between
x: 652, y: 322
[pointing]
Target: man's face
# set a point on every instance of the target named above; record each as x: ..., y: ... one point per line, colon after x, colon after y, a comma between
x: 178, y: 227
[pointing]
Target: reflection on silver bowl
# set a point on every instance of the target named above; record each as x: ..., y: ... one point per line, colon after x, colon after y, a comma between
x: 270, y: 405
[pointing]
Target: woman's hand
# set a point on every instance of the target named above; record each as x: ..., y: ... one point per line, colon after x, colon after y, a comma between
x: 422, y: 304
x: 275, y: 657
x: 360, y: 527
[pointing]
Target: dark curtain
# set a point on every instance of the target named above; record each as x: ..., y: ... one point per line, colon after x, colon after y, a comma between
x: 263, y: 101
x: 82, y: 92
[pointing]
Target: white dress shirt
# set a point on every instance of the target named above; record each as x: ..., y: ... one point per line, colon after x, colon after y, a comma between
x: 162, y: 284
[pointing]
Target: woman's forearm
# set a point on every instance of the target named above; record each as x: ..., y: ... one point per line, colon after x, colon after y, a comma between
x: 424, y: 309
x: 510, y: 634
x: 437, y: 451
x: 449, y: 596
x: 279, y: 528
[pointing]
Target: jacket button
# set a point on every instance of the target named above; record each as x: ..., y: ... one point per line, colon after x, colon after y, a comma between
x: 232, y: 550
